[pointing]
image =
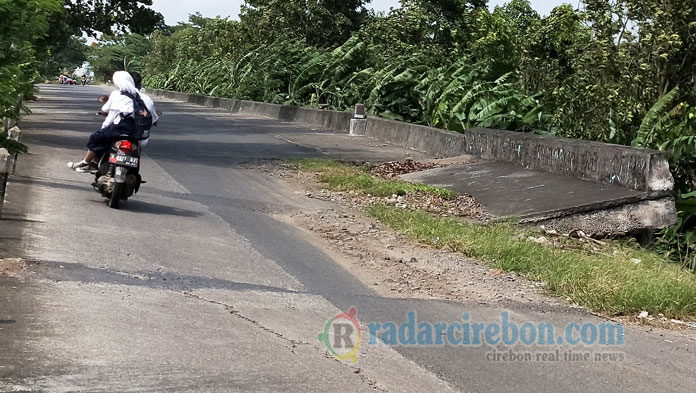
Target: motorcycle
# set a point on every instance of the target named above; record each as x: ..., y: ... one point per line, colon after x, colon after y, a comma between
x: 117, y: 177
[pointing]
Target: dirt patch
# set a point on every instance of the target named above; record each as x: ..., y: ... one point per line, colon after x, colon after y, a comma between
x: 394, y: 169
x: 396, y: 267
x: 392, y: 264
x: 462, y: 206
x: 13, y: 267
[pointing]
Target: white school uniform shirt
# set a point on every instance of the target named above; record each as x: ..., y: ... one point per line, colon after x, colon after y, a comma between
x: 117, y: 105
x: 150, y: 105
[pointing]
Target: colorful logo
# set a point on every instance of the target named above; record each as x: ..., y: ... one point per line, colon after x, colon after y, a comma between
x: 341, y: 336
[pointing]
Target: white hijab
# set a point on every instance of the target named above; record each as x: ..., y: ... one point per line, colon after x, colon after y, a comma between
x: 119, y: 104
x: 124, y: 82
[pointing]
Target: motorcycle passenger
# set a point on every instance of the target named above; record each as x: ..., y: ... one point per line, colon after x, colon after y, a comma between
x: 147, y: 101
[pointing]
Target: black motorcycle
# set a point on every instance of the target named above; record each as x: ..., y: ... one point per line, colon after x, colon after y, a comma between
x: 118, y: 175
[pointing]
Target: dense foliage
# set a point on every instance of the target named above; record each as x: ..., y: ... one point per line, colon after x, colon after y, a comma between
x: 122, y: 52
x: 18, y: 35
x: 62, y: 48
x: 321, y: 23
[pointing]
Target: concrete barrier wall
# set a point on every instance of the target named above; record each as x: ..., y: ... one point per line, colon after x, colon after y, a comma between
x: 338, y: 121
x: 633, y: 168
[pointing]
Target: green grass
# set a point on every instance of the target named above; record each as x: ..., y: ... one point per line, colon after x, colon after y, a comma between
x: 342, y: 177
x: 314, y: 164
x: 612, y: 284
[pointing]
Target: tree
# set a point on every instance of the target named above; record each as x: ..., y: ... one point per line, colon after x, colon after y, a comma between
x: 451, y: 20
x: 405, y: 31
x: 111, y: 16
x: 18, y: 35
x: 440, y: 28
x: 69, y: 56
x: 27, y: 24
x: 499, y: 38
x: 326, y: 23
x: 200, y: 38
x: 62, y: 48
x: 113, y: 53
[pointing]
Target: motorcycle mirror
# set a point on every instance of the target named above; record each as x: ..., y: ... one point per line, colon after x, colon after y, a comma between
x: 103, y: 99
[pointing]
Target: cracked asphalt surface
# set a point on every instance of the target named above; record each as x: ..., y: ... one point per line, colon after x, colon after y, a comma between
x: 194, y: 286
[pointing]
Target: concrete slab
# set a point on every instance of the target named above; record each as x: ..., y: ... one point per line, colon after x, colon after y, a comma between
x: 508, y: 190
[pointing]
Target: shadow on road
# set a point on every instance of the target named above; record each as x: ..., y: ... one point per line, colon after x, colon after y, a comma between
x: 77, y: 272
x: 138, y: 206
x: 49, y: 183
x: 134, y: 205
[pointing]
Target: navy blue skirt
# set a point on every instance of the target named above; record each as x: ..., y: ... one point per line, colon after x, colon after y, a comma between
x: 103, y: 139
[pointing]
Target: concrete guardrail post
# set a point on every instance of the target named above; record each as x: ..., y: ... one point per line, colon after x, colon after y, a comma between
x: 13, y: 134
x: 358, y: 124
x: 9, y: 122
x: 4, y: 174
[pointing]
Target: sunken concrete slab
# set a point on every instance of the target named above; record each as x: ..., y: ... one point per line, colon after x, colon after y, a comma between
x: 559, y: 202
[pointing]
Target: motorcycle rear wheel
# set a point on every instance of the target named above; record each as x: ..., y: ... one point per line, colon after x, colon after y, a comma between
x: 116, y: 195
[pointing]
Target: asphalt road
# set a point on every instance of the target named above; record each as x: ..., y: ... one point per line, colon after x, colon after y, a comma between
x: 194, y: 286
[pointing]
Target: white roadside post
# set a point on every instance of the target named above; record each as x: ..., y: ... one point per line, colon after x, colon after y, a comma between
x: 13, y: 134
x: 358, y: 124
x: 4, y: 174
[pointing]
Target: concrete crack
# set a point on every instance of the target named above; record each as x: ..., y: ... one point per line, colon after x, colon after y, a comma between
x: 364, y: 378
x: 293, y: 343
x: 236, y: 313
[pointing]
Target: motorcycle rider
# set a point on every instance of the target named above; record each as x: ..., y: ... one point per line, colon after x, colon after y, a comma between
x: 119, y: 121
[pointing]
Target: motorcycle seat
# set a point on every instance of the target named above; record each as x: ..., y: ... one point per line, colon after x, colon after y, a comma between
x: 127, y: 137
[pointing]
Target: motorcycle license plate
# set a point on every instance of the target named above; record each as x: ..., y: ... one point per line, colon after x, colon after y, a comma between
x: 123, y: 160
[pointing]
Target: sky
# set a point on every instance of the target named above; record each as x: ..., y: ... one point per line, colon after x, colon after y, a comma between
x: 175, y: 11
